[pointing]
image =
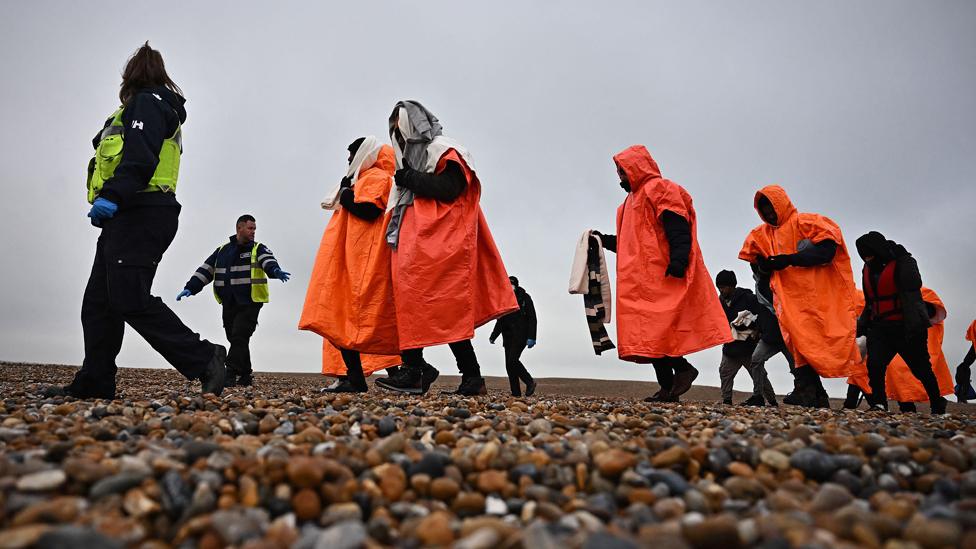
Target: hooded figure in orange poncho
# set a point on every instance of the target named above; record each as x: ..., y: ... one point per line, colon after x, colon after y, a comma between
x: 350, y: 295
x: 448, y: 277
x: 810, y: 275
x: 964, y: 387
x: 901, y: 385
x: 666, y: 305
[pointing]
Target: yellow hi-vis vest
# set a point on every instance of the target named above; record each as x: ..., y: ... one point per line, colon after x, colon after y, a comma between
x: 258, y: 281
x: 108, y: 154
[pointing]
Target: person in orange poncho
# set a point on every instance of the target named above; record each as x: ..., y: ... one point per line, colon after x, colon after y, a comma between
x: 964, y: 387
x: 901, y: 385
x: 350, y: 295
x: 666, y: 305
x: 448, y: 277
x: 895, y: 318
x: 813, y: 291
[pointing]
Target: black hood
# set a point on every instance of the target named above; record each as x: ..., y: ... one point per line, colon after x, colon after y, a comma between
x: 172, y: 98
x: 874, y: 244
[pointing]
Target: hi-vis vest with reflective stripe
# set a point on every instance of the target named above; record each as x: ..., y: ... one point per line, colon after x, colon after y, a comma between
x: 258, y: 279
x: 108, y: 154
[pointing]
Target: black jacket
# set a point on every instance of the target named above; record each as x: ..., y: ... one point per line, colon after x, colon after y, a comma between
x: 677, y: 231
x: 518, y: 326
x: 151, y: 116
x: 769, y: 330
x: 229, y: 268
x: 909, y: 283
x: 742, y: 300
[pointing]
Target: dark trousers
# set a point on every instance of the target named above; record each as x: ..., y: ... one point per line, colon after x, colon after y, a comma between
x: 467, y: 361
x: 884, y: 342
x: 515, y: 369
x: 240, y: 321
x: 128, y: 251
x: 665, y: 368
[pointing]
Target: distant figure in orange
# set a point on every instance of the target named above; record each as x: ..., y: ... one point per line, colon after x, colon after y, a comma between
x: 666, y: 305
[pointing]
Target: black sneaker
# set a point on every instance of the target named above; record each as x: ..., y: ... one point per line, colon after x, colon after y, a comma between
x: 213, y: 377
x: 802, y: 396
x: 52, y: 391
x: 727, y: 401
x: 472, y: 386
x: 939, y: 407
x: 530, y: 388
x: 246, y: 380
x: 878, y: 408
x: 772, y: 403
x: 428, y: 375
x: 907, y: 407
x: 755, y: 400
x: 408, y: 380
x: 661, y: 396
x: 345, y: 386
x: 822, y: 401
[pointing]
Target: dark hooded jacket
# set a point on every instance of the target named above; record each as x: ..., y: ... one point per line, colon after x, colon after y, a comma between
x: 517, y: 327
x: 742, y: 300
x: 150, y: 117
x: 908, y: 280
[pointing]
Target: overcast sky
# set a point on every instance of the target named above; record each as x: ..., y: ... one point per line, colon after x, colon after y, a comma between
x: 864, y: 111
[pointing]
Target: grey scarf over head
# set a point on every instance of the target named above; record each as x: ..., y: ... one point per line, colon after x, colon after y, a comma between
x: 419, y: 127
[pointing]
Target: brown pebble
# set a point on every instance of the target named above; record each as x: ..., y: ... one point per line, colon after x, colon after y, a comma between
x: 306, y: 504
x: 674, y: 455
x: 613, y: 462
x: 435, y: 529
x: 444, y: 489
x: 492, y: 482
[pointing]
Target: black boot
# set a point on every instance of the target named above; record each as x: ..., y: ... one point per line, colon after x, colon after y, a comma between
x: 755, y: 400
x: 212, y: 379
x: 907, y: 407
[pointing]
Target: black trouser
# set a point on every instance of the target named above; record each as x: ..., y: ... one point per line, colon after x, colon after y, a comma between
x: 514, y: 367
x: 666, y: 367
x: 128, y: 251
x: 887, y: 340
x: 240, y: 321
x: 354, y: 367
x: 467, y: 362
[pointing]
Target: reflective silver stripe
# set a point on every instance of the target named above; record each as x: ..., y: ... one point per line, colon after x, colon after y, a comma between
x: 201, y: 277
x: 220, y: 270
x: 207, y: 268
x: 239, y: 281
x: 239, y: 268
x: 262, y: 257
x: 218, y: 283
x: 111, y: 130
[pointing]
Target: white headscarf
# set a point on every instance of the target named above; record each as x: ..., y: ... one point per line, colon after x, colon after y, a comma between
x: 364, y: 159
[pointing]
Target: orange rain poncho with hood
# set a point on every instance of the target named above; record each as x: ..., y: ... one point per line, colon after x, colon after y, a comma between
x: 900, y: 384
x: 350, y: 295
x: 659, y: 315
x: 448, y: 277
x: 816, y: 306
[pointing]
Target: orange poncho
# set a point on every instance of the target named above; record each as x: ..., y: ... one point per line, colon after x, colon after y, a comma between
x: 333, y: 365
x: 900, y: 384
x: 815, y: 306
x: 448, y: 277
x: 658, y: 315
x: 350, y: 295
x: 971, y: 333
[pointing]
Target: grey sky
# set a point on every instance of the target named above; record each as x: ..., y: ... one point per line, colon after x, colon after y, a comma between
x: 864, y: 111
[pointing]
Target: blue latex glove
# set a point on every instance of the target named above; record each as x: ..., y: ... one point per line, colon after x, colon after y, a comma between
x: 101, y: 210
x: 184, y: 293
x: 281, y: 275
x: 530, y: 343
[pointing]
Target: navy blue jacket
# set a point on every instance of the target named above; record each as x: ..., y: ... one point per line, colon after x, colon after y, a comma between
x: 229, y: 268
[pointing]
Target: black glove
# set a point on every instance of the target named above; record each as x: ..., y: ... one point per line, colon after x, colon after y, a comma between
x: 346, y: 182
x: 765, y: 266
x: 675, y: 269
x: 963, y: 375
x: 779, y: 262
x: 404, y: 178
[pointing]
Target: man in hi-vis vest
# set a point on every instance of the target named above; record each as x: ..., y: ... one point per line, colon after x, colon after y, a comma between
x: 239, y: 269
